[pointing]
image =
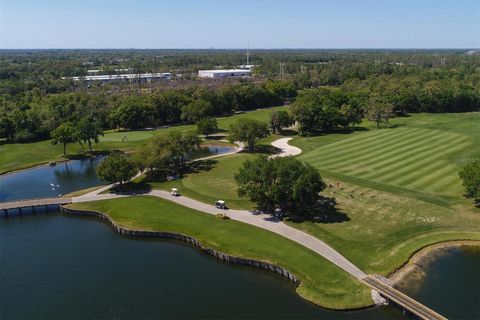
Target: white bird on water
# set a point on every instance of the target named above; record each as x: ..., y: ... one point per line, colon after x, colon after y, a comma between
x: 52, y: 184
x: 58, y: 186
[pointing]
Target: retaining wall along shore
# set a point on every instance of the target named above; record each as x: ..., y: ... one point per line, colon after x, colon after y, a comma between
x: 181, y: 237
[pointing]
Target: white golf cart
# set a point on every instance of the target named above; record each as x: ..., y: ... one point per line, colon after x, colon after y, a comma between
x: 278, y: 213
x: 220, y: 204
x: 174, y: 192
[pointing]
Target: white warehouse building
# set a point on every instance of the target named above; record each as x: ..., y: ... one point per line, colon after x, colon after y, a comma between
x: 124, y: 76
x: 217, y: 74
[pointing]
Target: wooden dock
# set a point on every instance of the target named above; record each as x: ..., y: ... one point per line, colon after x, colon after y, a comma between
x: 5, y: 206
x: 403, y: 300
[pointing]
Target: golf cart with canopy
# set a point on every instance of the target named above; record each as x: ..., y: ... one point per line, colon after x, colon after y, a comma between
x: 174, y: 192
x: 220, y: 204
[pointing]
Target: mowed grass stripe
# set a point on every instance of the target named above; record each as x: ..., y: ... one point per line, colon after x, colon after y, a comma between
x: 416, y: 159
x: 363, y: 137
x: 440, y: 164
x: 441, y: 200
x: 380, y: 162
x: 444, y: 180
x: 408, y: 163
x: 380, y: 149
x: 428, y: 174
x: 337, y: 152
x: 389, y: 153
x: 378, y: 159
x: 396, y: 166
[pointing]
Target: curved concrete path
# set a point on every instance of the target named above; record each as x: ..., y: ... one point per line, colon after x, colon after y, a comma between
x: 266, y: 222
x: 286, y: 149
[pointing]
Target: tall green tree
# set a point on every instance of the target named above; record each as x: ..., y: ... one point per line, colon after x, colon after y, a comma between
x: 379, y: 112
x: 169, y: 151
x: 284, y: 183
x: 248, y: 131
x: 279, y: 120
x: 470, y: 175
x: 65, y: 133
x: 116, y: 168
x: 7, y: 127
x: 207, y: 126
x: 89, y: 131
x: 133, y: 112
x: 196, y: 110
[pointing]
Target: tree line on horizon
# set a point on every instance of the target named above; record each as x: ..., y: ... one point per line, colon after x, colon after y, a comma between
x: 372, y: 84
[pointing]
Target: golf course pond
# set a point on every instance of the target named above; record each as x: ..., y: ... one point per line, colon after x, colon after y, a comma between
x: 53, y: 181
x: 56, y: 266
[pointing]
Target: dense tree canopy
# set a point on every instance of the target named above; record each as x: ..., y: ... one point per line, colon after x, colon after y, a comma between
x: 280, y: 120
x: 470, y: 175
x: 248, y: 131
x: 36, y: 100
x: 207, y: 126
x: 116, y: 168
x: 168, y: 151
x: 284, y: 183
x: 325, y: 109
x: 66, y: 133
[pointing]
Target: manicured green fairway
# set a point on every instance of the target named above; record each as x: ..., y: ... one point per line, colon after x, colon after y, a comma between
x: 23, y: 155
x: 422, y: 155
x: 321, y: 281
x: 213, y: 184
x: 410, y: 158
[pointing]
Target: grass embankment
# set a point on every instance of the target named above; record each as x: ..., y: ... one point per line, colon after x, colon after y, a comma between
x: 381, y: 219
x: 23, y: 155
x: 321, y: 281
x: 214, y: 181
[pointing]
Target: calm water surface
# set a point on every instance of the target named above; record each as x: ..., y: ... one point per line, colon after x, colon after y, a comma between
x: 65, y: 177
x: 54, y: 266
x: 46, y: 181
x: 452, y: 285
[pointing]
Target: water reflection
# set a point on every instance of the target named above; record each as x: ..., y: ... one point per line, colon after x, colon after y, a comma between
x: 46, y: 181
x: 58, y: 267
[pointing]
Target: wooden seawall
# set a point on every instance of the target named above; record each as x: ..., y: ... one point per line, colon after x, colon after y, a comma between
x: 184, y: 238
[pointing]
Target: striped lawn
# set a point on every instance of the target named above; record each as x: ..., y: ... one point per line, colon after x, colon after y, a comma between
x: 409, y: 158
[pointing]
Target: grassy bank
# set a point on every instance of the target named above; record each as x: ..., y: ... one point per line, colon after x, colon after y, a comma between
x: 23, y: 155
x: 321, y: 282
x: 213, y: 180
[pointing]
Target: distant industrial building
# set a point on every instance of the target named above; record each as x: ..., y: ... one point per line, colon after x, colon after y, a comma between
x: 218, y: 74
x: 133, y: 76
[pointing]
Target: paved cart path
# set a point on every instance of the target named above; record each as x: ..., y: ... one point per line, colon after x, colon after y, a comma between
x: 286, y: 149
x: 262, y: 221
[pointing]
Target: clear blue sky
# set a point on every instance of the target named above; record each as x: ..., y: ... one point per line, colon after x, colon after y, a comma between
x: 229, y: 23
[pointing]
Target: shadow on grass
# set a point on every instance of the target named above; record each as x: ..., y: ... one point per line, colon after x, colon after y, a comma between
x: 349, y: 130
x: 326, y: 212
x: 132, y: 187
x: 200, y: 165
x: 289, y: 132
x: 88, y: 154
x: 215, y: 137
x: 265, y: 149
